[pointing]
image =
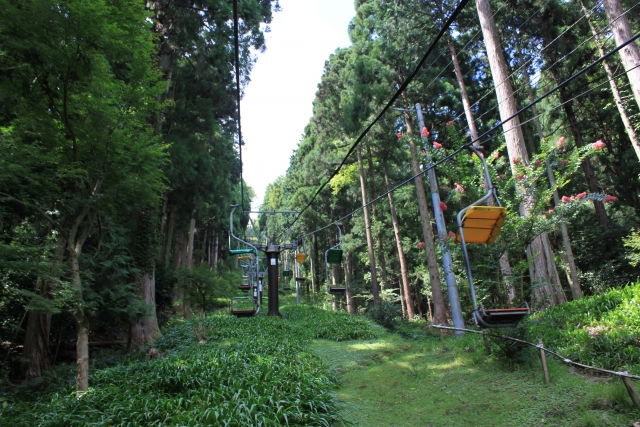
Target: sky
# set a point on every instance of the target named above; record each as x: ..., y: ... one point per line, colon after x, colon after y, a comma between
x: 277, y: 103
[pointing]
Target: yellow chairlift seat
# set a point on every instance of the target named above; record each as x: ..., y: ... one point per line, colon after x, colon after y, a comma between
x: 300, y: 258
x: 481, y: 224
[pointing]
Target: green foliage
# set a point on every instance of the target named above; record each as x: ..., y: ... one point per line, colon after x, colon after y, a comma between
x: 633, y: 243
x: 601, y: 330
x: 386, y: 315
x: 252, y: 371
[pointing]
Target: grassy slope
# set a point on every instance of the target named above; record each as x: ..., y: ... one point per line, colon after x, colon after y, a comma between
x: 392, y: 381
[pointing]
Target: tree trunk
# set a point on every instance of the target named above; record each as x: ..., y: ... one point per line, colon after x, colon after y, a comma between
x: 82, y: 224
x: 367, y: 222
x: 186, y: 306
x: 146, y: 330
x: 545, y: 282
x: 439, y: 310
x: 629, y: 54
x: 178, y: 292
x: 572, y: 275
x: 381, y: 259
x: 36, y: 341
x: 168, y: 236
x: 614, y: 86
x: 406, y: 291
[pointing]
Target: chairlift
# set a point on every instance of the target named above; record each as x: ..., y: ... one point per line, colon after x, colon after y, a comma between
x: 333, y: 255
x: 249, y: 304
x: 481, y: 224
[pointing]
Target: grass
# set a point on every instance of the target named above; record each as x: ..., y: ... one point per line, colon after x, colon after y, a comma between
x: 317, y: 368
x: 392, y: 381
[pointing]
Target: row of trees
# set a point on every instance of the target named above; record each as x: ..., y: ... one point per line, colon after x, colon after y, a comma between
x: 567, y: 168
x: 119, y: 161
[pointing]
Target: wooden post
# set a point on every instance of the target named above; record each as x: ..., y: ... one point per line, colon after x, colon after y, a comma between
x: 629, y: 386
x: 442, y: 339
x: 487, y: 346
x: 543, y: 359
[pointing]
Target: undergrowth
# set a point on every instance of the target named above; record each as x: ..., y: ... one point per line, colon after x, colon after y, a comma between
x: 251, y: 371
x: 601, y: 330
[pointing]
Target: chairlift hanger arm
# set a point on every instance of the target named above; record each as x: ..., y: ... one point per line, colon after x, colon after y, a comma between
x: 231, y: 234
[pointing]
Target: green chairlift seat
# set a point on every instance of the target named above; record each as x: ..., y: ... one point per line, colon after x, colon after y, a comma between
x: 241, y: 251
x: 334, y: 256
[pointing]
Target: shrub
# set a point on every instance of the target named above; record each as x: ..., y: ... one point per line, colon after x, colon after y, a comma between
x: 386, y: 315
x: 601, y: 330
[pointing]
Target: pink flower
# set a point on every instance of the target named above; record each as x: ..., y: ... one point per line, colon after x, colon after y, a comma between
x: 425, y: 132
x: 516, y: 160
x: 609, y: 198
x: 449, y: 123
x: 420, y: 245
x: 443, y: 206
x: 459, y: 187
x: 550, y: 211
x: 499, y: 177
x: 598, y: 145
x: 436, y: 144
x: 520, y: 176
x: 399, y: 135
x: 560, y: 141
x: 581, y: 195
x: 565, y: 199
x: 452, y: 234
x: 496, y: 154
x: 544, y: 216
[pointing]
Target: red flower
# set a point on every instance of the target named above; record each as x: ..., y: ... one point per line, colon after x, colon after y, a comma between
x: 436, y: 144
x: 496, y: 154
x: 425, y: 132
x: 565, y: 199
x: 499, y: 177
x: 449, y: 123
x: 443, y: 206
x: 420, y: 245
x: 581, y: 195
x: 520, y: 176
x: 609, y: 198
x: 516, y: 160
x: 538, y: 162
x: 598, y: 145
x: 399, y: 135
x: 452, y: 234
x: 560, y: 141
x: 550, y: 211
x: 459, y: 187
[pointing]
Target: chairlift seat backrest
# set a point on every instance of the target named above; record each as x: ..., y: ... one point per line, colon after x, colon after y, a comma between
x: 244, y: 258
x: 334, y: 256
x: 241, y: 251
x: 286, y: 273
x: 481, y: 224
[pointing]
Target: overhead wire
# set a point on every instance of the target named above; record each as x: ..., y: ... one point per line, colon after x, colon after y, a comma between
x: 468, y: 144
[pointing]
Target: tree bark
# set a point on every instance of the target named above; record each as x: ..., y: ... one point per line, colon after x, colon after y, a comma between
x: 629, y: 55
x: 545, y: 282
x: 406, y: 287
x: 367, y: 222
x: 36, y: 341
x: 168, y: 236
x: 178, y: 293
x: 381, y: 259
x: 146, y: 330
x: 351, y: 304
x: 439, y: 310
x: 186, y: 306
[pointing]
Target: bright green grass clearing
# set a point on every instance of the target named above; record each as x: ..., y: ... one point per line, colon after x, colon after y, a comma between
x: 391, y: 381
